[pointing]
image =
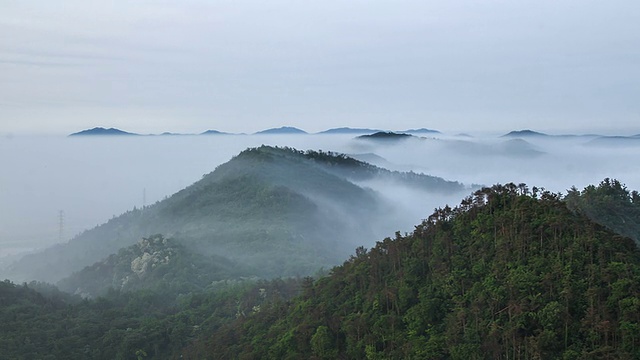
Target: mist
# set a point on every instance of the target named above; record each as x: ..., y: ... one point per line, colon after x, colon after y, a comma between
x: 92, y: 179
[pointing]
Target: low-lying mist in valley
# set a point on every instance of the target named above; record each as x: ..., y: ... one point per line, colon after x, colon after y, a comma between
x: 93, y: 179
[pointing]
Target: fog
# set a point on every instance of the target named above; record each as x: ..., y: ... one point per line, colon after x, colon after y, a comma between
x: 92, y: 179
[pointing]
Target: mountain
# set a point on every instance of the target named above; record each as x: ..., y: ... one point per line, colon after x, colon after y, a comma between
x: 385, y: 136
x: 511, y: 272
x: 214, y: 132
x: 167, y: 133
x: 422, y: 131
x: 102, y: 131
x: 282, y: 130
x: 517, y: 148
x: 508, y: 273
x: 347, y: 130
x: 280, y: 211
x: 525, y: 133
x: 615, y: 141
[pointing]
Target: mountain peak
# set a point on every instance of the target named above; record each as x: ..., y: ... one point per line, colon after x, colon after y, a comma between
x: 214, y: 132
x: 385, y: 135
x: 524, y: 133
x: 348, y: 130
x: 422, y: 131
x: 100, y: 131
x: 282, y: 130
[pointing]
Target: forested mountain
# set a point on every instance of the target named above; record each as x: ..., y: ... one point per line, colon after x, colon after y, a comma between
x: 280, y: 211
x: 385, y: 135
x: 509, y: 273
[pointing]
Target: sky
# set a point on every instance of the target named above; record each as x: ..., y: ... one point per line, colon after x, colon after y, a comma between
x: 563, y: 66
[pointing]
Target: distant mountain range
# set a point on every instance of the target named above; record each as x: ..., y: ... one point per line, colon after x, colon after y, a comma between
x: 100, y: 131
x: 289, y: 130
x: 532, y: 134
x: 615, y: 141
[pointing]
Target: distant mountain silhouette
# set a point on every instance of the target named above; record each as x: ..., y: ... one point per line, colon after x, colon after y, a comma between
x: 524, y: 133
x: 102, y: 131
x: 282, y: 130
x: 214, y: 132
x: 422, y: 131
x: 615, y: 141
x: 518, y: 147
x: 382, y: 135
x: 348, y: 130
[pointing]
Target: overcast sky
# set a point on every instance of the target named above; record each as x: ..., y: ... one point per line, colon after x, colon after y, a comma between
x: 242, y: 66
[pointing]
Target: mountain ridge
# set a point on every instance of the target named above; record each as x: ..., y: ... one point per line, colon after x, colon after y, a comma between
x: 262, y: 199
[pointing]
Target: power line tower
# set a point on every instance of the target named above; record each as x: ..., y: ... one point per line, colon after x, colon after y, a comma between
x: 144, y: 198
x: 60, y: 225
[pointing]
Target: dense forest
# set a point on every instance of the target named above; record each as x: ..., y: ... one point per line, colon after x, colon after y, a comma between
x: 510, y: 273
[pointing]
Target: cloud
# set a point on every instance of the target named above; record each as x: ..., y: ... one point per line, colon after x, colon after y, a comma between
x: 458, y: 65
x: 93, y: 179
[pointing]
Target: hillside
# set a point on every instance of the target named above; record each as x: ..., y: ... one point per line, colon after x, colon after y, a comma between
x: 154, y: 263
x: 507, y: 274
x: 280, y: 211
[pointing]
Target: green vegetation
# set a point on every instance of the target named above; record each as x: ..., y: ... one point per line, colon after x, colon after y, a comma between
x: 131, y: 325
x: 610, y: 204
x: 509, y: 273
x: 279, y: 211
x: 155, y: 264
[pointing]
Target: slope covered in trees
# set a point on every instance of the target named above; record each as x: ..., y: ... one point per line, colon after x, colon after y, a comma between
x: 154, y: 263
x: 610, y: 204
x: 280, y: 211
x: 123, y: 325
x: 508, y: 274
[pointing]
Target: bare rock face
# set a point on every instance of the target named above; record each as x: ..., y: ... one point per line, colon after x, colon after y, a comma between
x: 154, y: 253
